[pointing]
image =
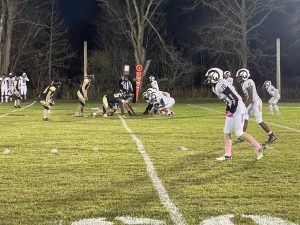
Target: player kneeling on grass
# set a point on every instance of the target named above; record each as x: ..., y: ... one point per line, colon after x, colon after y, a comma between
x: 47, y: 97
x: 112, y: 102
x: 235, y: 112
x: 17, y: 94
x: 82, y: 93
x: 275, y: 97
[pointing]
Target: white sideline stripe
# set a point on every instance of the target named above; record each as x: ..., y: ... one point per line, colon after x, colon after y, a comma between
x: 274, y: 124
x: 174, y: 212
x: 16, y: 110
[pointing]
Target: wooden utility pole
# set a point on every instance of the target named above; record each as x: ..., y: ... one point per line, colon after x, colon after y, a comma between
x: 84, y: 58
x: 278, y: 70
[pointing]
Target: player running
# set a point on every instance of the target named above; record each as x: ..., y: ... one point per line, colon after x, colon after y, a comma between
x: 253, y: 103
x: 235, y: 112
x: 47, y: 97
x: 82, y: 93
x: 275, y: 96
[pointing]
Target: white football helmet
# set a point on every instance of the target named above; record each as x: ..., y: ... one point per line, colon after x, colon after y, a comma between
x: 151, y: 78
x: 227, y: 74
x: 213, y: 75
x: 267, y: 83
x: 243, y: 73
x: 24, y: 74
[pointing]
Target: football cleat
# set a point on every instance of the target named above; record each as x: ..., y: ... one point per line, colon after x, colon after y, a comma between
x: 223, y: 158
x: 260, y: 152
x: 105, y: 115
x: 45, y: 119
x: 272, y: 138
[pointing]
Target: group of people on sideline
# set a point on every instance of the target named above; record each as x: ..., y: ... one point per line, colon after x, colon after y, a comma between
x: 14, y: 87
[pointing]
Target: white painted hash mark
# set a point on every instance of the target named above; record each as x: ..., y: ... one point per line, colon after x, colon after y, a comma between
x: 219, y: 220
x: 94, y: 221
x: 174, y: 212
x: 267, y: 220
x: 139, y: 221
x: 274, y: 124
x: 16, y: 110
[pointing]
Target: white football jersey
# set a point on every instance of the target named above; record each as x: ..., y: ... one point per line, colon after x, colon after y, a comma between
x: 250, y: 83
x: 225, y: 91
x: 154, y: 85
x: 230, y: 80
x: 273, y: 91
x: 4, y: 83
x: 10, y: 82
x: 167, y: 101
x: 23, y: 81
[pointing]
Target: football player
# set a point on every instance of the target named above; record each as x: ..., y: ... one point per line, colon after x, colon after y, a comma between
x: 162, y: 103
x: 23, y: 84
x: 82, y: 93
x: 10, y: 79
x: 4, y: 88
x: 235, y: 112
x: 153, y: 83
x: 227, y: 76
x: 46, y: 98
x: 253, y: 103
x: 275, y: 97
x: 112, y: 101
x: 16, y: 92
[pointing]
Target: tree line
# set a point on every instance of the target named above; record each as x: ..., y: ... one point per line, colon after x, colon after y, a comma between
x: 226, y: 33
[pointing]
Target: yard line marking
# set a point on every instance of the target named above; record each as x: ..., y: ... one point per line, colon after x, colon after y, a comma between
x: 274, y: 124
x: 164, y: 197
x: 18, y: 109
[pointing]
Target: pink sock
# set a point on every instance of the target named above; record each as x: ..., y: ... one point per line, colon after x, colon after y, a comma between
x: 228, y: 149
x: 255, y: 144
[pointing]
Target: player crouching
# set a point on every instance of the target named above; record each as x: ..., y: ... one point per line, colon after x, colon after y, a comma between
x: 162, y: 102
x: 47, y: 98
x: 113, y: 101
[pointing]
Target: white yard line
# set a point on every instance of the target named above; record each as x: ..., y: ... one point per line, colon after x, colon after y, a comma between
x: 274, y: 124
x: 164, y: 197
x: 16, y: 110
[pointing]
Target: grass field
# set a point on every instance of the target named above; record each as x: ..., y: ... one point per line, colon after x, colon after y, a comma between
x: 100, y: 171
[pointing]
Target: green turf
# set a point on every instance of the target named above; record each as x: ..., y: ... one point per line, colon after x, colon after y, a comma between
x: 98, y: 171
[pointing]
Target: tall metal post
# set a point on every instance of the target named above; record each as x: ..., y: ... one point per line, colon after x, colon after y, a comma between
x: 84, y: 58
x: 278, y: 70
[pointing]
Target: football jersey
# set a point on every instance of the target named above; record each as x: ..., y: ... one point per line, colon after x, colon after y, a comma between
x: 164, y: 100
x: 16, y: 85
x: 154, y: 85
x: 87, y: 82
x: 230, y: 80
x: 4, y: 83
x: 23, y: 81
x: 273, y: 91
x: 49, y: 89
x: 10, y: 82
x: 247, y: 84
x: 225, y: 91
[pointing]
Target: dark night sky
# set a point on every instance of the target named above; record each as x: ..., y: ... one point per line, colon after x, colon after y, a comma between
x: 80, y: 16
